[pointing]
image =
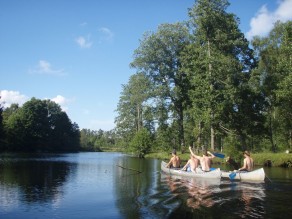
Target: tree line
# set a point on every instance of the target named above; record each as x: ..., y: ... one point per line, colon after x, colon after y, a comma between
x: 42, y: 126
x: 201, y: 82
x: 37, y: 126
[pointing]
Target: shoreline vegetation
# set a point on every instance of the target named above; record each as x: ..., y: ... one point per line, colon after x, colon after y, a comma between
x: 267, y: 159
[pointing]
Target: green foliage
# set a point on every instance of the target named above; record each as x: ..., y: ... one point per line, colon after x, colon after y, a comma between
x: 232, y: 148
x: 141, y: 143
x: 219, y: 64
x: 133, y: 110
x: 200, y: 82
x: 96, y: 140
x: 39, y: 126
x: 274, y: 70
x: 159, y: 56
x: 277, y: 159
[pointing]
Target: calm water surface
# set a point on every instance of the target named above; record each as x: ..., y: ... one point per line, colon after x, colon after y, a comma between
x: 94, y: 185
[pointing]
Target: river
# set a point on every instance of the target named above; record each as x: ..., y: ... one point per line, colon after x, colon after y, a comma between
x: 108, y: 185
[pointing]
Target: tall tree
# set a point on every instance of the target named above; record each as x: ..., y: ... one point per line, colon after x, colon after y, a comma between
x: 219, y: 63
x: 159, y: 57
x: 274, y: 71
x: 132, y: 106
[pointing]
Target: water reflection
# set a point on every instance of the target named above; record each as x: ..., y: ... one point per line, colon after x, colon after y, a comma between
x: 198, y: 193
x: 31, y: 181
x: 217, y: 198
x: 91, y: 185
x: 247, y: 200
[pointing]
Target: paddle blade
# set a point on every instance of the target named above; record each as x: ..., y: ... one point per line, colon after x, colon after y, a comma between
x: 219, y: 155
x: 232, y: 175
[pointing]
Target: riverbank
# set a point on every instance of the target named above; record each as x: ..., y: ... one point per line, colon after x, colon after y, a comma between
x: 260, y: 159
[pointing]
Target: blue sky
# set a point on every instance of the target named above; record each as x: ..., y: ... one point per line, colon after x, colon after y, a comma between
x: 77, y: 52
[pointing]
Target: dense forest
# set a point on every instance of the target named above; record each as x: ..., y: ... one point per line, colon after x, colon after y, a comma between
x: 42, y: 126
x: 199, y: 82
x: 202, y: 83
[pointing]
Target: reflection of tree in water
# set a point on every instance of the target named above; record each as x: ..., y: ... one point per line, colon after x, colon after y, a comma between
x: 252, y: 197
x: 36, y: 180
x: 135, y: 193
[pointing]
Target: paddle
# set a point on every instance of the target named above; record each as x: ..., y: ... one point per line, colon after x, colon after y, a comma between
x: 219, y: 155
x: 232, y: 175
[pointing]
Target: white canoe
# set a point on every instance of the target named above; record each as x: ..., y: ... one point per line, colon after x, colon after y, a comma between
x: 214, y: 174
x: 256, y: 175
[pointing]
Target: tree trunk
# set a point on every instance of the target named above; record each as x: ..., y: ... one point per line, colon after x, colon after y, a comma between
x: 271, y: 137
x: 290, y: 139
x: 199, y: 141
x: 212, y: 138
x: 211, y: 90
x: 181, y: 127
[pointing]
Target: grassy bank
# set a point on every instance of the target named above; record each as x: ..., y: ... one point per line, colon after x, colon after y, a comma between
x: 260, y: 159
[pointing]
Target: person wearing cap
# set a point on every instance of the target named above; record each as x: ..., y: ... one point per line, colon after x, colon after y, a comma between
x: 174, y: 161
x: 247, y: 162
x: 205, y: 160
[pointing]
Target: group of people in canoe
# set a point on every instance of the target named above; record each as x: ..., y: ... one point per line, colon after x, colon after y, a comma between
x: 205, y: 162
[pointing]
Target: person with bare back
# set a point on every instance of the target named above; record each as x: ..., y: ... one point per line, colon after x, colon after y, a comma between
x: 205, y: 160
x: 174, y: 161
x: 191, y: 165
x: 247, y: 162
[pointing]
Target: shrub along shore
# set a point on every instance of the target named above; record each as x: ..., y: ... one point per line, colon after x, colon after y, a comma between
x: 260, y: 159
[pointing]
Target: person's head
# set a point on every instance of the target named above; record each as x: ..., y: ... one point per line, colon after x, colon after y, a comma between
x: 173, y: 152
x: 246, y: 153
x: 205, y: 152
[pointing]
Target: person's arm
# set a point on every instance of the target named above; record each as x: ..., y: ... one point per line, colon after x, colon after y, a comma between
x: 244, y: 165
x: 212, y: 155
x: 185, y: 166
x: 169, y: 163
x: 192, y: 153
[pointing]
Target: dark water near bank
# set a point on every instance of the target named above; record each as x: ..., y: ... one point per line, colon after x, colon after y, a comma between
x: 94, y: 185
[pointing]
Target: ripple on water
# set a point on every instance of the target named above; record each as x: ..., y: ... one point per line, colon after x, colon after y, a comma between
x: 213, y: 198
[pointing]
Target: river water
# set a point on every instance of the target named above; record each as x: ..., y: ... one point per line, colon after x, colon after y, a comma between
x: 108, y: 185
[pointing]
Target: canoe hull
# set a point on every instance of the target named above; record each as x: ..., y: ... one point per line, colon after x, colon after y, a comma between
x: 215, y: 174
x: 256, y: 175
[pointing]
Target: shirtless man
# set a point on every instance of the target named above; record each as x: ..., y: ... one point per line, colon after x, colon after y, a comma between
x: 174, y: 161
x: 247, y: 162
x: 192, y: 163
x: 205, y: 160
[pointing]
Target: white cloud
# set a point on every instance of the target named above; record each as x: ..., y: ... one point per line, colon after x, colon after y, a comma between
x: 44, y: 67
x: 62, y: 101
x: 107, y: 34
x: 10, y: 97
x: 264, y: 20
x: 83, y: 42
